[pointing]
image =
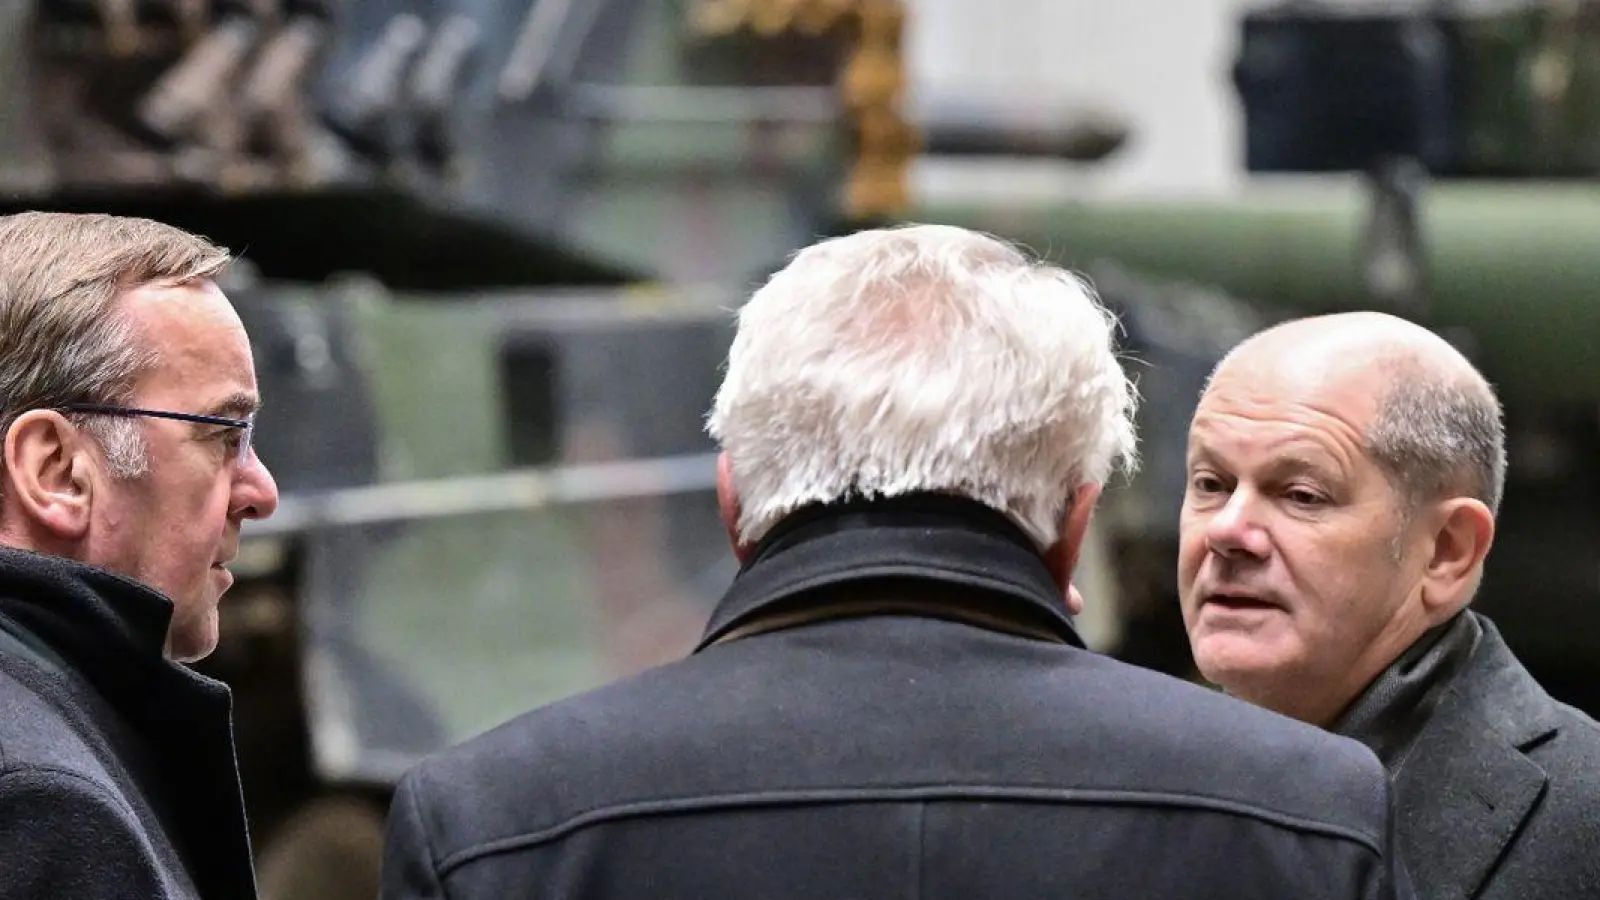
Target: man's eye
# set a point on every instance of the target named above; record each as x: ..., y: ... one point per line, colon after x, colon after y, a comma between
x: 1304, y: 497
x: 1203, y: 483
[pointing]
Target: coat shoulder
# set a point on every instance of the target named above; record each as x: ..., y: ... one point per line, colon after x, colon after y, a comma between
x: 1571, y: 760
x: 1498, y: 693
x: 1297, y: 768
x: 1553, y: 856
x: 35, y: 734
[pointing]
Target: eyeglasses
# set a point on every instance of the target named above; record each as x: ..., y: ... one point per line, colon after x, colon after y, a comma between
x: 246, y: 427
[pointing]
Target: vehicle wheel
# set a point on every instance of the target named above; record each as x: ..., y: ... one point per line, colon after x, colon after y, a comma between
x: 330, y: 849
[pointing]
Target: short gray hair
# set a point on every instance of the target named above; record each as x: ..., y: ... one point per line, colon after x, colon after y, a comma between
x: 922, y: 358
x: 62, y: 338
x: 1436, y: 433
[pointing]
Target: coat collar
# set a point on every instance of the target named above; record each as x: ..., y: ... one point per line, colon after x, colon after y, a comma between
x: 107, y: 628
x: 93, y: 644
x: 1466, y: 787
x: 814, y: 556
x: 1394, y: 709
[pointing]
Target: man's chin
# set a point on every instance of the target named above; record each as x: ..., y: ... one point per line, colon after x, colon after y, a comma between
x: 1237, y: 662
x: 190, y: 642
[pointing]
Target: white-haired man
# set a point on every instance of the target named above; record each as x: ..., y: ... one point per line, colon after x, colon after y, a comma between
x: 1344, y: 475
x: 891, y: 699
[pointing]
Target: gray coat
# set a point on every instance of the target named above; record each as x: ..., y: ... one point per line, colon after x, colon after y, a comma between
x: 891, y: 702
x: 1500, y: 797
x: 117, y: 773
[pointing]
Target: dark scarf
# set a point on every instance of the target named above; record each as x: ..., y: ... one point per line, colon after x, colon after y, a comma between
x: 1393, y: 710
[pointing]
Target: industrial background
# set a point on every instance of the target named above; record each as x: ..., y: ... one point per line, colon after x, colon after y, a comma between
x: 490, y: 248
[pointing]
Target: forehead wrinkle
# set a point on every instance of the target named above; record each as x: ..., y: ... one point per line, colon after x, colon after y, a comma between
x: 1293, y: 444
x: 1345, y: 396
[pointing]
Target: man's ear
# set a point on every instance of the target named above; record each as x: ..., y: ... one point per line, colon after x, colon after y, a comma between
x: 1463, y: 531
x: 1062, y: 557
x: 728, y: 507
x: 48, y: 474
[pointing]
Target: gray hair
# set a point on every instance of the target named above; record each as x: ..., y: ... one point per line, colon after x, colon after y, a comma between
x: 922, y: 358
x: 62, y: 338
x: 1435, y: 434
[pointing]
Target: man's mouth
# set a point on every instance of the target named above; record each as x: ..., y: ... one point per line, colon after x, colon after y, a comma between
x: 1238, y: 601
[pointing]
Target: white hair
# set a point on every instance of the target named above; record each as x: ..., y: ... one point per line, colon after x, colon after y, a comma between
x: 127, y: 454
x: 922, y: 358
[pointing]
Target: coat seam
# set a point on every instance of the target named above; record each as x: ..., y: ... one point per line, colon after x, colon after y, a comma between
x: 922, y: 850
x: 431, y: 858
x: 450, y: 862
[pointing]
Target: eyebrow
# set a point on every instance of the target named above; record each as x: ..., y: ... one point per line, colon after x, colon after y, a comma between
x: 239, y: 405
x: 1290, y: 464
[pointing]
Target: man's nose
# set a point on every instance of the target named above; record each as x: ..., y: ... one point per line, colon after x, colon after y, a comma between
x: 255, y: 491
x: 1235, y: 529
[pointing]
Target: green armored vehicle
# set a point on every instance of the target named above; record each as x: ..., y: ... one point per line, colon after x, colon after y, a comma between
x: 489, y: 252
x: 1437, y: 161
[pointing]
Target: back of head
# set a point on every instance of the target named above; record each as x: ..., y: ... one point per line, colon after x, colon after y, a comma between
x: 922, y: 358
x: 62, y: 338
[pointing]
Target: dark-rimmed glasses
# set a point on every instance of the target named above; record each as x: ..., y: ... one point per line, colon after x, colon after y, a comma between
x: 246, y: 427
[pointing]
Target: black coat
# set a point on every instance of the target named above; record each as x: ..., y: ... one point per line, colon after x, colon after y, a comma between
x: 1499, y: 799
x: 117, y: 771
x: 891, y: 702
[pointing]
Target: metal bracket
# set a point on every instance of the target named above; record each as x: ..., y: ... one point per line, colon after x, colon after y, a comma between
x: 1394, y: 259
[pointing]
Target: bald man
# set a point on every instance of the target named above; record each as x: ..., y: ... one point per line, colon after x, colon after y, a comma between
x: 1344, y: 476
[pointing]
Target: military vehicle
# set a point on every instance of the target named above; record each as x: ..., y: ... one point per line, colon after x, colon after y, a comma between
x: 1437, y: 161
x: 490, y: 250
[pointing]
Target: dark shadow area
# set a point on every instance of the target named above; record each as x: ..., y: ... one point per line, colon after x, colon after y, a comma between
x: 405, y: 243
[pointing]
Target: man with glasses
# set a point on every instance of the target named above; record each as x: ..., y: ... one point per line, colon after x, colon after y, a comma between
x: 127, y: 402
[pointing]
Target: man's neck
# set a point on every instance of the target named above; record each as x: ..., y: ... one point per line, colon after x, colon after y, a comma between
x: 23, y: 535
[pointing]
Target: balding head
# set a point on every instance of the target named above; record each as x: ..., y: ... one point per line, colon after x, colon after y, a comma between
x: 1343, y: 472
x: 1435, y: 424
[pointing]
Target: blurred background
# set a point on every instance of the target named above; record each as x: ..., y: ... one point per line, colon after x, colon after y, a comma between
x: 491, y: 247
